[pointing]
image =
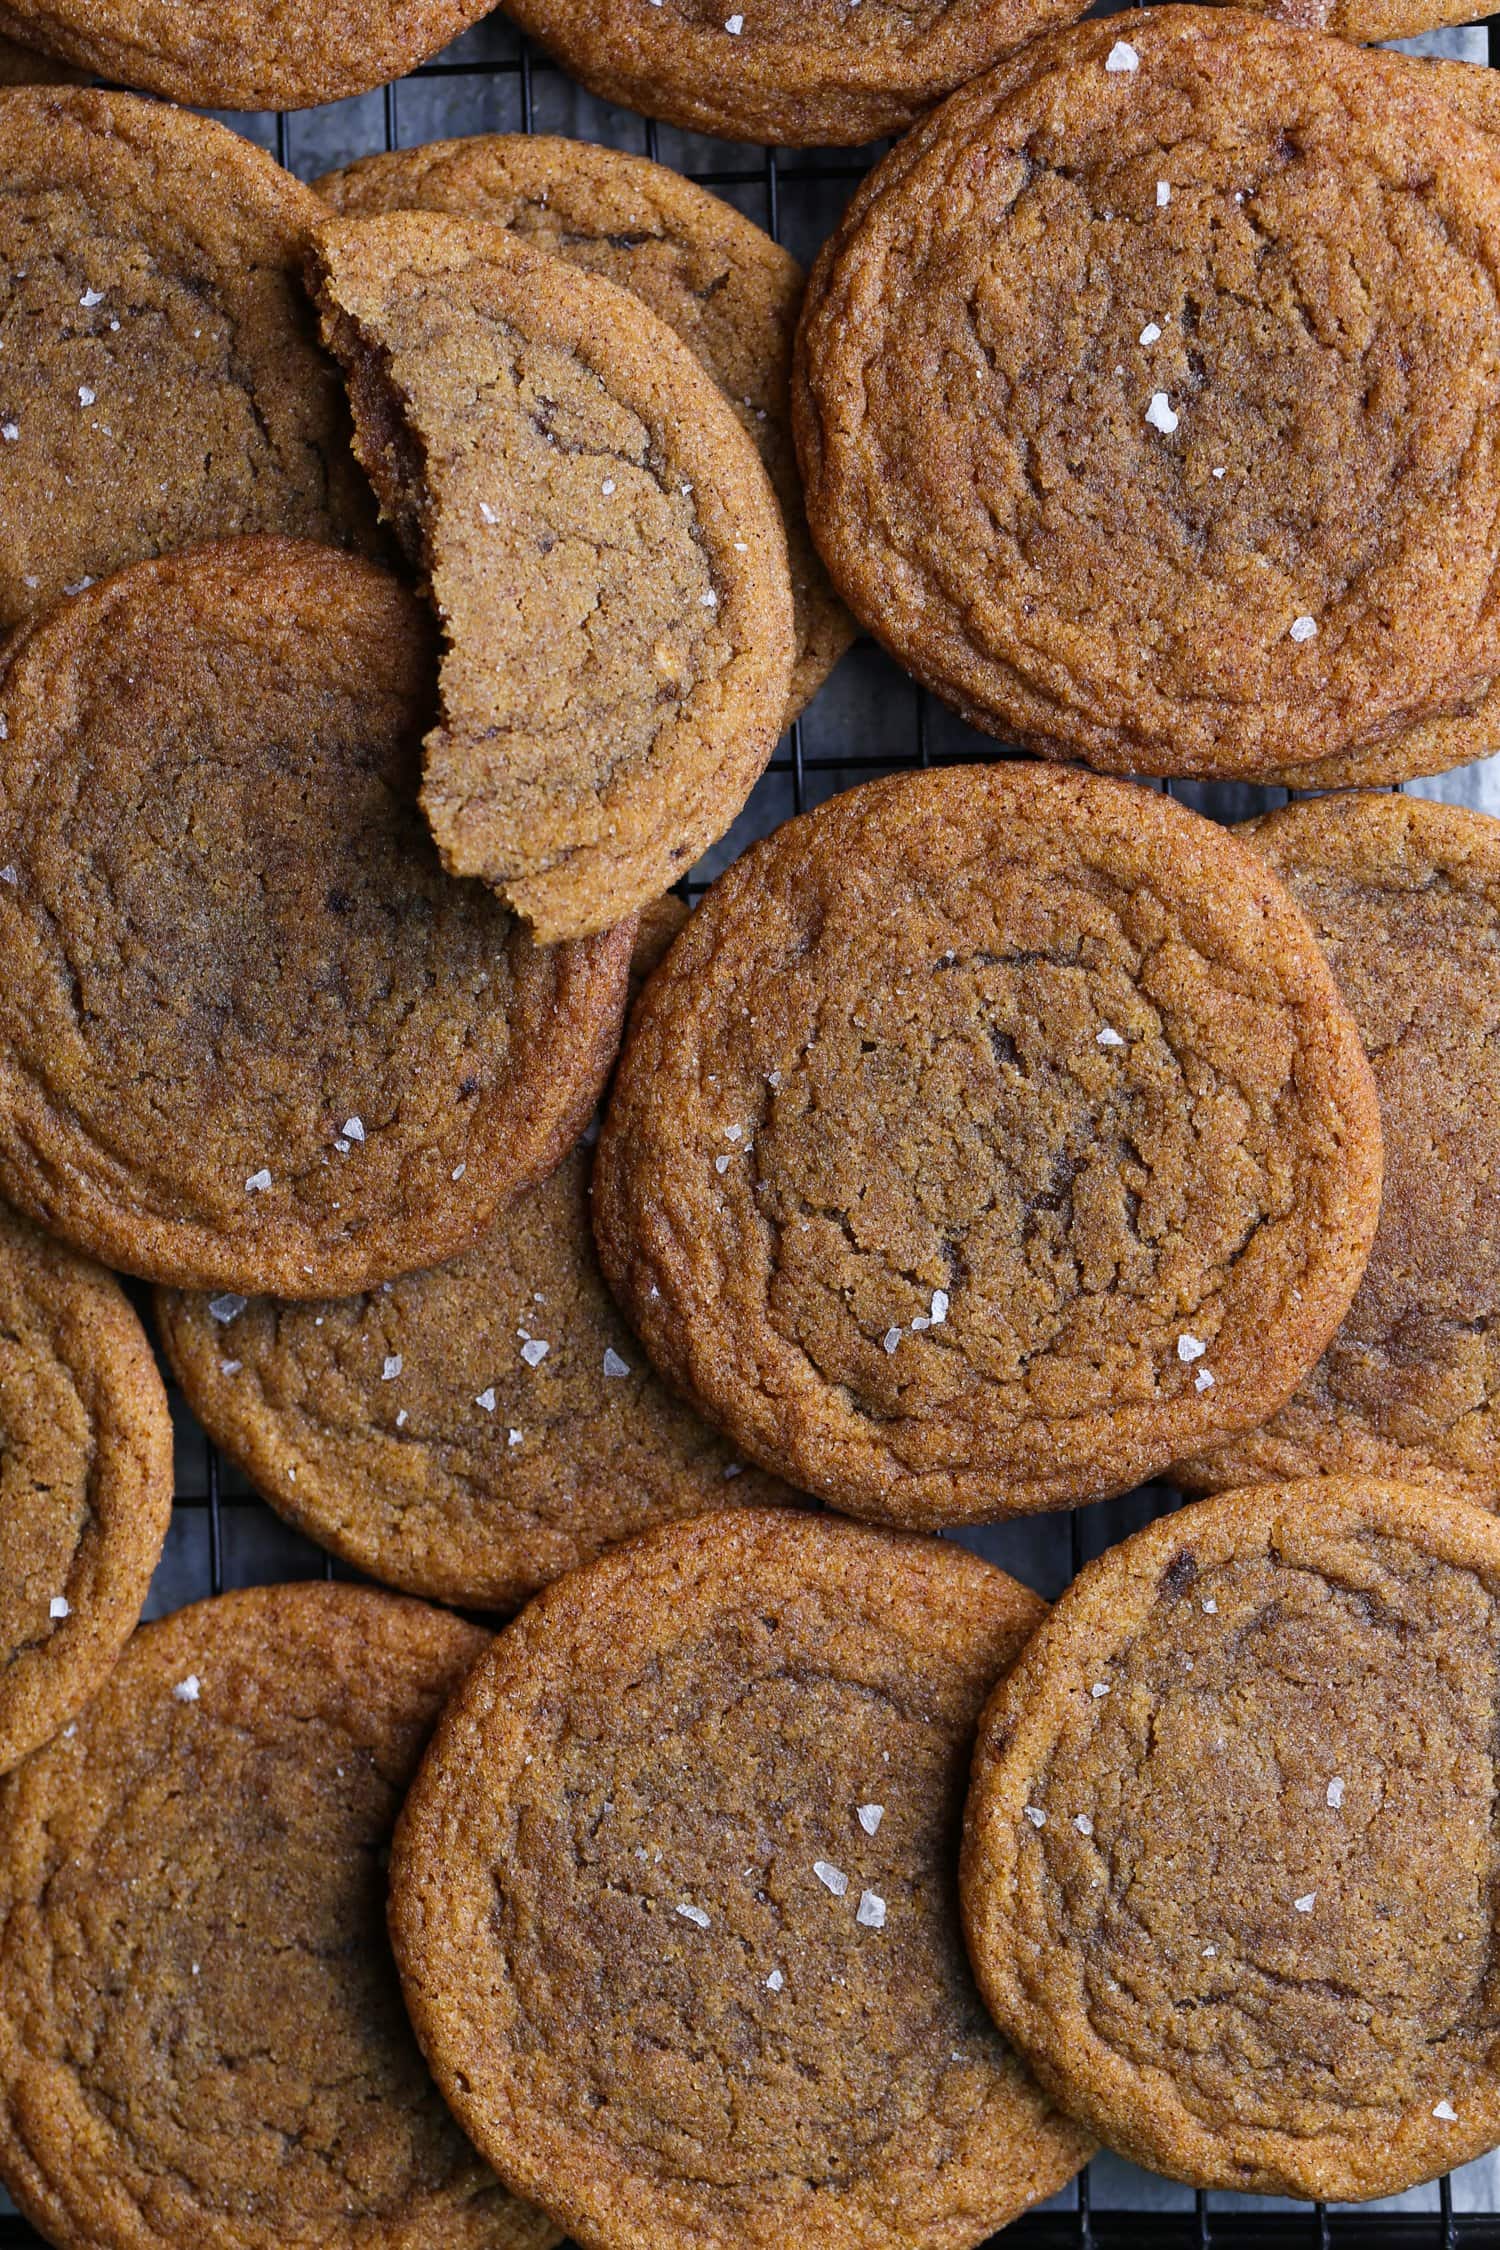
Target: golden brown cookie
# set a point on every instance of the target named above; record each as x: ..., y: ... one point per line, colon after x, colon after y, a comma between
x: 799, y: 72
x: 160, y: 376
x: 244, y: 54
x: 1229, y: 1868
x: 1374, y: 19
x: 602, y: 546
x: 985, y: 1130
x: 1109, y: 459
x: 85, y: 1481
x: 468, y: 1433
x: 251, y: 1036
x: 672, y: 1898
x: 1405, y: 899
x: 728, y: 290
x: 203, y: 2045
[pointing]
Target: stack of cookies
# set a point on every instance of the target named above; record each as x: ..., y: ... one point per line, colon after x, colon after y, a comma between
x: 406, y: 580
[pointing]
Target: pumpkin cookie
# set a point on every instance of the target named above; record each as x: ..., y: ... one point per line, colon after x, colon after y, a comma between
x: 203, y: 2045
x: 244, y: 54
x: 672, y: 1898
x: 85, y: 1481
x: 251, y: 1036
x: 984, y: 1130
x: 728, y: 290
x: 799, y: 72
x: 160, y: 376
x: 1229, y: 1867
x: 1101, y: 458
x: 468, y: 1433
x: 603, y: 548
x: 1405, y: 899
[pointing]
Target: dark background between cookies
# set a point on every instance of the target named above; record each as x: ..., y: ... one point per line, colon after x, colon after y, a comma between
x: 868, y: 719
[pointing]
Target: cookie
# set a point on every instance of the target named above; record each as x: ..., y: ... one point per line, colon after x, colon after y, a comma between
x: 803, y: 73
x: 1405, y: 899
x: 1229, y: 1860
x: 672, y: 1898
x: 243, y: 54
x: 602, y: 546
x: 19, y: 66
x: 251, y: 1036
x: 984, y: 1130
x: 160, y: 376
x: 1102, y: 459
x: 468, y: 1433
x: 1375, y: 19
x: 728, y: 290
x: 203, y: 2045
x: 85, y: 1482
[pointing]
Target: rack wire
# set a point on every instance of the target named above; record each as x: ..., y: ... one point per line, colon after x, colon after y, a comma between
x: 870, y: 719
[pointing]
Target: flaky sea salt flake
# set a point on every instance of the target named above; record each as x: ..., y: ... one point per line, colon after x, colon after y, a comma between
x: 1304, y: 628
x: 187, y: 1691
x: 1335, y: 1794
x: 870, y: 1912
x: 613, y: 1364
x: 832, y: 1878
x: 59, y: 1606
x: 1304, y: 1905
x: 1108, y: 1037
x: 695, y: 1915
x: 775, y: 1981
x: 534, y: 1351
x: 1035, y: 1815
x: 258, y: 1182
x: 1445, y: 2111
x: 1122, y: 56
x: 486, y: 1401
x: 1160, y: 415
x: 870, y: 1817
x: 390, y: 1367
x: 891, y: 1339
x: 1190, y: 1348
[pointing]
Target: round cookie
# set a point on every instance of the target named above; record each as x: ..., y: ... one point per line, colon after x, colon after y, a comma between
x: 802, y: 73
x: 468, y: 1433
x: 160, y: 376
x: 85, y: 1481
x: 1010, y: 426
x: 602, y: 546
x: 1405, y: 899
x: 1229, y: 1857
x: 203, y: 2045
x: 728, y: 290
x: 985, y: 1130
x: 251, y: 1036
x: 244, y: 54
x: 672, y: 1898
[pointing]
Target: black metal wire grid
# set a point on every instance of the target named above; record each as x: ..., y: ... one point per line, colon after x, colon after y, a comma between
x: 785, y: 190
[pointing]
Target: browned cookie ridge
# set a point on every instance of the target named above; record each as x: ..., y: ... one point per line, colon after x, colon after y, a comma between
x: 603, y: 548
x: 1405, y: 899
x: 203, y: 2045
x: 985, y: 1131
x: 160, y: 376
x: 728, y: 290
x: 1229, y: 1873
x: 1373, y: 19
x: 470, y: 1432
x: 244, y: 54
x: 1119, y: 457
x: 251, y: 1036
x: 672, y: 1898
x: 799, y: 72
x: 85, y: 1481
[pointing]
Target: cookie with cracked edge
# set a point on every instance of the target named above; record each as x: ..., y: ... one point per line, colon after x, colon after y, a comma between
x: 672, y: 1898
x: 243, y: 54
x: 728, y: 290
x: 251, y: 1035
x: 161, y: 381
x: 1229, y: 1864
x: 203, y: 2045
x: 802, y: 73
x: 1050, y: 547
x: 1405, y: 899
x: 987, y: 1133
x: 468, y: 1433
x: 85, y: 1481
x: 602, y: 546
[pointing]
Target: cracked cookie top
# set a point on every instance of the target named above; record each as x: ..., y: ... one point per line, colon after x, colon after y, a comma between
x: 673, y: 1898
x: 603, y: 548
x: 1229, y: 1862
x: 1405, y: 898
x: 728, y: 290
x: 985, y: 1130
x: 160, y: 376
x: 1147, y: 398
x: 251, y: 1035
x: 203, y: 2044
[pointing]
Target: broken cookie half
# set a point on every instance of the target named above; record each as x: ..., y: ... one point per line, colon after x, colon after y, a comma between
x: 602, y: 546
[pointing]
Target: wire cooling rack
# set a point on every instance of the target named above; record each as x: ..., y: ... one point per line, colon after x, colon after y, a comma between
x: 868, y: 719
